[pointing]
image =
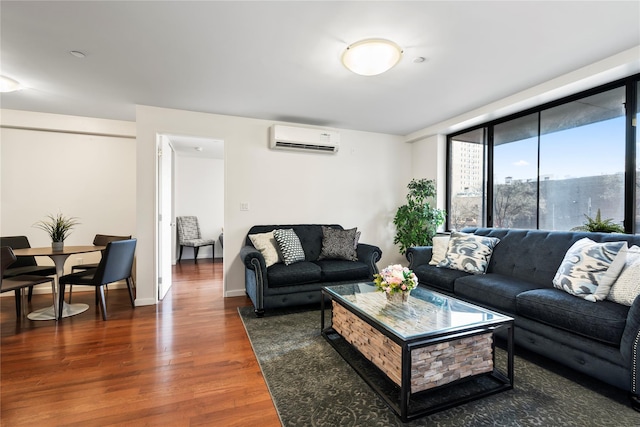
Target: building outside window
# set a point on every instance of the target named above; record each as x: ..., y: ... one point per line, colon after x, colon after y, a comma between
x: 467, y: 184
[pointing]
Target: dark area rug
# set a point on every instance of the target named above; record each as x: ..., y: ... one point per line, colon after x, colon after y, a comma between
x: 311, y: 385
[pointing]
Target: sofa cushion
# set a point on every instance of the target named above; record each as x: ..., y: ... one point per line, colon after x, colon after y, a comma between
x: 289, y: 245
x: 266, y: 244
x: 468, y: 252
x: 589, y: 269
x: 440, y: 278
x: 492, y: 290
x: 336, y: 270
x: 627, y: 287
x: 294, y: 274
x: 439, y: 249
x: 338, y: 244
x: 604, y: 321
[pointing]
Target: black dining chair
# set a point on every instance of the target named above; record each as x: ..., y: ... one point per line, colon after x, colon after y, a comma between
x: 98, y: 240
x: 24, y: 264
x: 17, y: 283
x: 115, y: 265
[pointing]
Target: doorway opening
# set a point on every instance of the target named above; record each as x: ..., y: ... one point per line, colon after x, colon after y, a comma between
x: 190, y: 183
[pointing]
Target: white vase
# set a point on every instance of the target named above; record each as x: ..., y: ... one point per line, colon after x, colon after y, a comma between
x: 57, y: 246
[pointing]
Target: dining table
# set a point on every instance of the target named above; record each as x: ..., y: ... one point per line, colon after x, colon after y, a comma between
x: 59, y: 257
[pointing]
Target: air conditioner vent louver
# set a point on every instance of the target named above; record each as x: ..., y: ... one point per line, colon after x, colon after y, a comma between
x: 304, y: 139
x: 300, y: 146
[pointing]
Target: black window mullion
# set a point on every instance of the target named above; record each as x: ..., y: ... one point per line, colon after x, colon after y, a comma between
x: 538, y: 174
x: 630, y: 161
x: 449, y: 172
x: 488, y: 178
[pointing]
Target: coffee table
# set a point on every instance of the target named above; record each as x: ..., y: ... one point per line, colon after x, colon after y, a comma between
x: 426, y: 355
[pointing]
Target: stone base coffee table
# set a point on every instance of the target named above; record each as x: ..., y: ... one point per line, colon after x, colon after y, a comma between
x: 426, y: 355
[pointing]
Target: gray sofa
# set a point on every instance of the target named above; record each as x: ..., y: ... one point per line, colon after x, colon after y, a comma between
x: 281, y: 285
x: 600, y: 339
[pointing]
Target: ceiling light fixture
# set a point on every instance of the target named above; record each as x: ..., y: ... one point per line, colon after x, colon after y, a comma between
x: 8, y: 85
x: 198, y: 148
x: 77, y: 54
x: 371, y: 57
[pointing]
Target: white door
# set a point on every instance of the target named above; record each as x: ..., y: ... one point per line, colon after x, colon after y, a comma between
x: 165, y: 214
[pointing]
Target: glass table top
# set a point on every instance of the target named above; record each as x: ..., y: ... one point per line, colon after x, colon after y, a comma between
x: 425, y: 313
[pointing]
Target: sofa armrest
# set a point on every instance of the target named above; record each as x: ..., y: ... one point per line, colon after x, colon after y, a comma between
x: 369, y: 254
x: 630, y: 345
x: 249, y: 255
x: 419, y: 255
x: 255, y: 277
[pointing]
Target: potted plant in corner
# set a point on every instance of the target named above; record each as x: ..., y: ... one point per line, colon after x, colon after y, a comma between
x: 58, y: 228
x: 599, y: 225
x: 417, y: 222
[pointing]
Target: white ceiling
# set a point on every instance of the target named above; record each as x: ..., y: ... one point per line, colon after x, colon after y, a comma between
x: 280, y: 60
x: 192, y: 146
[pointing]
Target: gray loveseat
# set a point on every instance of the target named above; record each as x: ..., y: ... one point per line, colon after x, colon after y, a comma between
x: 601, y: 339
x: 281, y: 285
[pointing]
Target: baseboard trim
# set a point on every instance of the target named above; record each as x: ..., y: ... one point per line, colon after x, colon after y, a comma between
x: 235, y: 293
x: 46, y: 289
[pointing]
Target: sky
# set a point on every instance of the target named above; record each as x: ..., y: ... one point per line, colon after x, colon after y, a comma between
x: 595, y: 149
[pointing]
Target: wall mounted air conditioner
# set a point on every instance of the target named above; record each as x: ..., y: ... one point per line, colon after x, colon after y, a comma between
x: 304, y: 139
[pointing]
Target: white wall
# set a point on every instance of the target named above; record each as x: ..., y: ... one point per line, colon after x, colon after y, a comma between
x: 199, y: 191
x: 360, y: 186
x: 429, y: 161
x: 81, y: 167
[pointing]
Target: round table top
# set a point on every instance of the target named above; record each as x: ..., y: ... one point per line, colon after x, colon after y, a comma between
x: 48, y: 250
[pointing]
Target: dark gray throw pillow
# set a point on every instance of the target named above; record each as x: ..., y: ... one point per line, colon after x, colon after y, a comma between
x: 338, y: 244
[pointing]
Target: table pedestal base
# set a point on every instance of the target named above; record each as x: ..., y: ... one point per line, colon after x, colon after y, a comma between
x: 49, y: 312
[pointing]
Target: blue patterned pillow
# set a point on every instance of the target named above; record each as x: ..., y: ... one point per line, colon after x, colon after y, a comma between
x: 290, y: 246
x: 589, y: 269
x: 469, y: 252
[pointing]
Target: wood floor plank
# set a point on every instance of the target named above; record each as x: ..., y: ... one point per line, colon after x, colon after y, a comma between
x: 185, y: 362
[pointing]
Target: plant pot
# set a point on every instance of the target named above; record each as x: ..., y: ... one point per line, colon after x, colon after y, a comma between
x: 398, y: 297
x: 57, y: 246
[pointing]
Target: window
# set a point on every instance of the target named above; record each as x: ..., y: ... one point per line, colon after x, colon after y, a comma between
x: 551, y: 166
x: 582, y: 150
x: 467, y: 154
x: 515, y: 173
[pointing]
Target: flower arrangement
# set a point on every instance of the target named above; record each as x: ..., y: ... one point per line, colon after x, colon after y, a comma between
x: 395, y: 279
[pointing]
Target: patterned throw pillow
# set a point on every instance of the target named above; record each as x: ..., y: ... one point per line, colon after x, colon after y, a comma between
x: 627, y: 287
x: 469, y: 252
x: 439, y: 249
x: 266, y: 244
x: 338, y: 244
x: 589, y: 269
x: 289, y: 245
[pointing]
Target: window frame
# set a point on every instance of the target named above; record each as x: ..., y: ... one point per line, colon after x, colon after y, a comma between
x: 630, y: 83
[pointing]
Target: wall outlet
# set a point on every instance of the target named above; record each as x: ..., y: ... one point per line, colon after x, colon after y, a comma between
x: 244, y: 206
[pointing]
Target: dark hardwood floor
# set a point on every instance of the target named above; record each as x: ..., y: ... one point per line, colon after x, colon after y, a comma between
x: 185, y: 362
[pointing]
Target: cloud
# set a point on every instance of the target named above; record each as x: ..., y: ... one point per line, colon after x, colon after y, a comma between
x: 521, y: 163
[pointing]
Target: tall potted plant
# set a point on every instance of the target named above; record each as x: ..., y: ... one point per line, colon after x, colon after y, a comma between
x: 417, y: 221
x: 58, y: 228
